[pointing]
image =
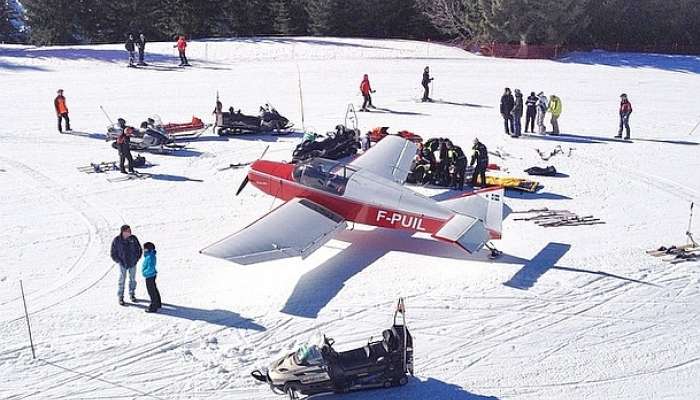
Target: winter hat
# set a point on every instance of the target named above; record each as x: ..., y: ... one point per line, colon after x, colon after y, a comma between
x: 59, y: 91
x: 517, y: 92
x: 532, y: 93
x: 623, y: 95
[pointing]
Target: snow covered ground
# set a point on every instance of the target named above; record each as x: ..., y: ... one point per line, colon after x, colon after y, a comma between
x: 575, y: 312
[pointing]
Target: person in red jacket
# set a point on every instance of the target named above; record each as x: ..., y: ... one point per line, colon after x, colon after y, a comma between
x: 625, y: 112
x: 181, y: 46
x: 366, y: 90
x: 59, y: 103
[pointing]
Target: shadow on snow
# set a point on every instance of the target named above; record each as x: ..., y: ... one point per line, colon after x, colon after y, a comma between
x: 415, y: 390
x: 216, y: 317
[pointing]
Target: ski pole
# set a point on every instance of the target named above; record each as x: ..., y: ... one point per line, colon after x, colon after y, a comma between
x: 695, y: 128
x: 106, y: 115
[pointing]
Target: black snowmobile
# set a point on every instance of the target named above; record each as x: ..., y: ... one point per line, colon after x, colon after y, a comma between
x: 342, y: 143
x: 235, y: 122
x: 318, y: 368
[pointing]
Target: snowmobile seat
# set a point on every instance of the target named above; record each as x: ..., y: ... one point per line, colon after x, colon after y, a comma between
x: 354, y: 359
x: 390, y: 341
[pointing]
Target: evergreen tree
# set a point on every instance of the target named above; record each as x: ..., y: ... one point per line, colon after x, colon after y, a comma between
x: 282, y: 20
x: 53, y: 21
x: 6, y: 28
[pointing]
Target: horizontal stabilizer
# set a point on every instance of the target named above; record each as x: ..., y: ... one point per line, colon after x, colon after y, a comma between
x: 468, y: 232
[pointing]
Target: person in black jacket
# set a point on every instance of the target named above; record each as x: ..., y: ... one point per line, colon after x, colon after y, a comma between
x: 124, y: 146
x: 480, y: 157
x: 531, y: 113
x: 126, y: 252
x: 507, y: 104
x: 517, y: 114
x: 141, y: 44
x: 425, y: 82
x: 130, y: 47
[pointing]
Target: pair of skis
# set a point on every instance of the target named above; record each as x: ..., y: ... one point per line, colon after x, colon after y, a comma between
x: 680, y: 253
x: 555, y: 218
x: 129, y: 177
x: 98, y: 168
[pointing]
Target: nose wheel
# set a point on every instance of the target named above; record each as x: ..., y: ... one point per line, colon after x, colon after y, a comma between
x: 495, y: 253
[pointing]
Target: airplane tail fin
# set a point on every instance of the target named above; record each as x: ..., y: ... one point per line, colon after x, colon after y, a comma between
x: 485, y: 205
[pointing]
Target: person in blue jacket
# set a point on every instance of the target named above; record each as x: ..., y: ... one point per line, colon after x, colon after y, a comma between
x: 148, y: 269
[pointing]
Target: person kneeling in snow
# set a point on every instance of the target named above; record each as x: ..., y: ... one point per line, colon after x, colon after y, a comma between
x: 148, y: 270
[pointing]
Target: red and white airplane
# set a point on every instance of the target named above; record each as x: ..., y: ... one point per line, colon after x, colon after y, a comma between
x: 321, y: 196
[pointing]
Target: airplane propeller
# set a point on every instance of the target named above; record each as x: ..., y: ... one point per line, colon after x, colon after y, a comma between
x: 245, y: 180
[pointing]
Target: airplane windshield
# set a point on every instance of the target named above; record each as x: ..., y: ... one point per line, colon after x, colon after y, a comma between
x: 329, y: 176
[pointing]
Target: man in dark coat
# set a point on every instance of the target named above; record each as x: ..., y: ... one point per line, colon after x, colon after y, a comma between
x: 130, y: 47
x: 126, y: 252
x: 480, y: 157
x: 425, y: 82
x: 124, y: 146
x: 517, y: 113
x: 141, y: 44
x: 531, y: 113
x: 507, y: 104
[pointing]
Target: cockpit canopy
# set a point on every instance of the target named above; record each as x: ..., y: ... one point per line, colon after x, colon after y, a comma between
x: 327, y: 175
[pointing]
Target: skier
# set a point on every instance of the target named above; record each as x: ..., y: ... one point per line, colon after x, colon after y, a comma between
x: 141, y: 44
x: 425, y: 82
x: 148, y: 270
x: 59, y: 104
x: 507, y: 104
x: 541, y: 111
x: 126, y: 251
x: 480, y: 157
x: 555, y: 109
x: 517, y: 113
x: 130, y: 47
x: 625, y: 112
x: 181, y: 46
x: 123, y: 146
x: 531, y: 105
x: 366, y: 90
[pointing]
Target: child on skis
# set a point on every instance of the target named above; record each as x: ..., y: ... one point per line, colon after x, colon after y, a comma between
x: 148, y: 269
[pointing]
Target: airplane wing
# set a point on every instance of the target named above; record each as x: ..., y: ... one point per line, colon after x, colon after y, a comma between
x: 390, y: 158
x: 296, y: 228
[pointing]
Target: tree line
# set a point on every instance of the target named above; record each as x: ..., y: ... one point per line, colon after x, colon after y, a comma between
x: 602, y: 22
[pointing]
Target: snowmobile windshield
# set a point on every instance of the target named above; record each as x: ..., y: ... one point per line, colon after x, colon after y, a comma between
x: 318, y: 173
x: 310, y: 353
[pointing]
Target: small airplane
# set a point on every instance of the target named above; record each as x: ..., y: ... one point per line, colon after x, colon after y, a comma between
x: 321, y: 196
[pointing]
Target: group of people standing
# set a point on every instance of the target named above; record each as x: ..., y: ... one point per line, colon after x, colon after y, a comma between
x: 535, y: 108
x: 132, y: 44
x: 126, y: 251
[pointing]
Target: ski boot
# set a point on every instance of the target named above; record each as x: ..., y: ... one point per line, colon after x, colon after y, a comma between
x: 121, y: 301
x: 133, y: 298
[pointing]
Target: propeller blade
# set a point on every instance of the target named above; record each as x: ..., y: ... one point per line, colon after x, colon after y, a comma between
x: 243, y: 185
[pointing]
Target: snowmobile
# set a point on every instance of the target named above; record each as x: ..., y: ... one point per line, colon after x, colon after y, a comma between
x: 316, y: 367
x: 235, y: 122
x: 147, y: 138
x: 341, y: 143
x: 174, y: 131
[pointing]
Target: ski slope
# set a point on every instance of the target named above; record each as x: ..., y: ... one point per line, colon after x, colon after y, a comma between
x: 570, y: 312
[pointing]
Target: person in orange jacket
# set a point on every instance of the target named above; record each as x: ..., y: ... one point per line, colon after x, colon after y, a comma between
x: 59, y: 104
x: 181, y: 45
x: 366, y: 90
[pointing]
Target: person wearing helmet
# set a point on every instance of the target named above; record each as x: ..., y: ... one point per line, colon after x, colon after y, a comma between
x: 425, y: 82
x: 625, y: 112
x: 480, y: 157
x: 124, y: 146
x: 59, y: 104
